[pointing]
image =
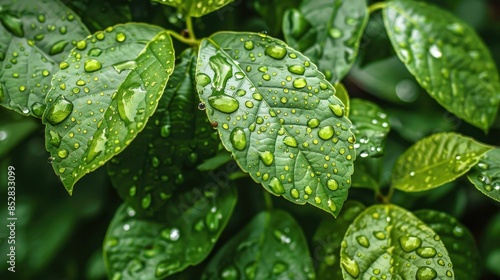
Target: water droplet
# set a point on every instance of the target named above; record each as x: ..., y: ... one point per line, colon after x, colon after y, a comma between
x: 165, y: 131
x: 230, y: 273
x: 281, y: 237
x: 62, y: 153
x: 326, y: 132
x: 223, y: 103
x: 249, y: 45
x: 409, y: 243
x: 335, y: 33
x: 51, y: 160
x: 458, y: 231
x: 171, y: 234
x: 299, y: 83
x: 251, y: 270
x: 222, y: 71
x: 276, y: 52
x: 364, y: 154
x: 212, y: 220
x: 166, y: 268
x: 332, y: 205
x: 37, y: 109
x: 13, y: 24
x: 126, y: 65
x: 238, y: 139
x: 55, y: 138
x: 426, y: 273
x: 332, y: 184
x: 296, y: 69
x: 363, y: 241
x: 290, y: 141
x: 426, y: 252
x: 276, y: 186
x: 92, y: 65
x: 337, y: 110
x: 129, y: 101
x: 95, y: 52
x: 279, y: 267
x: 96, y: 146
x: 201, y: 106
x: 203, y: 79
x: 350, y: 266
x: 120, y: 37
x: 58, y: 47
x: 266, y: 157
x: 380, y: 235
x: 435, y: 51
x: 313, y: 123
x: 59, y: 110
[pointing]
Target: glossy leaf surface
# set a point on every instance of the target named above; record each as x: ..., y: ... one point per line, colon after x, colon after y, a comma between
x: 447, y: 58
x: 486, y: 174
x: 386, y: 241
x: 182, y: 234
x: 195, y: 8
x: 328, y: 32
x: 278, y: 116
x: 103, y: 95
x: 34, y: 38
x: 435, y: 160
x: 272, y: 246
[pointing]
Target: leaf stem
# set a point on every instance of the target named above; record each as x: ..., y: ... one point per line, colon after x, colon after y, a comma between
x: 189, y: 26
x: 188, y: 41
x: 376, y: 6
x: 268, y: 200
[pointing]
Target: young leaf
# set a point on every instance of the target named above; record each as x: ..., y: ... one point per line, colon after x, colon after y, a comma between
x: 327, y: 240
x: 34, y: 38
x: 195, y: 8
x: 176, y: 138
x: 386, y: 241
x: 278, y: 116
x: 103, y: 95
x: 435, y: 160
x: 486, y: 174
x: 328, y: 32
x: 457, y: 239
x: 447, y: 58
x: 272, y: 246
x: 182, y: 234
x: 370, y: 126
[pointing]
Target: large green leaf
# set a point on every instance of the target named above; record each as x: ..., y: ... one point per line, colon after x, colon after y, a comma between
x: 278, y: 116
x: 447, y: 58
x: 34, y: 38
x: 103, y: 95
x: 435, y: 160
x: 328, y: 32
x: 272, y: 246
x: 195, y: 8
x: 182, y: 234
x: 175, y: 140
x: 386, y: 241
x: 486, y: 174
x: 327, y: 240
x: 457, y: 239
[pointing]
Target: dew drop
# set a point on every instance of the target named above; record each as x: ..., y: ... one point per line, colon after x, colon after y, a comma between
x: 37, y: 109
x: 435, y: 51
x: 222, y: 71
x: 266, y: 157
x: 363, y: 241
x: 129, y: 100
x: 426, y: 252
x: 350, y: 266
x: 166, y: 268
x: 426, y: 273
x: 241, y: 92
x: 146, y: 201
x: 120, y: 37
x: 276, y: 52
x: 296, y: 69
x: 238, y: 139
x: 380, y: 235
x: 165, y: 131
x: 409, y: 243
x: 229, y: 273
x: 92, y: 65
x: 249, y: 45
x: 62, y: 153
x: 332, y: 184
x: 223, y: 103
x: 212, y: 220
x: 313, y: 123
x: 299, y: 83
x: 335, y: 33
x: 126, y: 65
x: 51, y: 160
x: 276, y: 186
x: 201, y: 106
x: 251, y: 270
x: 59, y: 110
x: 332, y: 205
x: 337, y: 110
x: 13, y: 24
x: 96, y: 146
x: 326, y: 132
x: 290, y: 141
x: 279, y: 267
x: 55, y: 138
x: 58, y: 47
x: 203, y: 79
x: 458, y: 231
x: 95, y: 52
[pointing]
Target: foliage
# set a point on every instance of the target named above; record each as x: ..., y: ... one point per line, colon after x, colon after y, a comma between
x: 356, y: 108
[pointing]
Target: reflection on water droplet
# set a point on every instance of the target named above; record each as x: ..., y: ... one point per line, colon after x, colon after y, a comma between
x: 363, y: 241
x: 58, y: 47
x: 276, y: 52
x: 222, y: 72
x: 120, y: 37
x: 92, y: 65
x: 332, y: 184
x: 203, y: 79
x: 296, y: 69
x: 435, y: 51
x: 410, y: 243
x: 129, y: 101
x: 223, y: 103
x: 126, y: 65
x: 37, y: 109
x: 426, y: 273
x: 201, y: 106
x: 229, y: 273
x: 54, y: 139
x: 249, y: 45
x: 326, y: 132
x: 63, y: 153
x: 335, y: 33
x: 276, y: 186
x: 290, y: 141
x: 97, y: 145
x: 350, y: 266
x: 266, y: 157
x: 12, y: 23
x: 299, y: 83
x: 337, y: 110
x: 59, y: 110
x: 426, y: 252
x: 51, y: 160
x: 238, y: 139
x: 313, y: 123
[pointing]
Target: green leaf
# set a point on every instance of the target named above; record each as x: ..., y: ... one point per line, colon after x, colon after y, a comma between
x: 272, y: 12
x: 451, y: 63
x: 328, y: 237
x: 272, y: 246
x: 367, y: 173
x: 34, y: 38
x: 278, y: 116
x: 370, y: 126
x: 195, y: 8
x: 435, y: 160
x: 180, y: 235
x: 486, y: 174
x: 343, y: 95
x: 215, y: 162
x: 386, y: 241
x: 328, y: 32
x: 103, y: 96
x: 457, y: 239
x: 175, y: 140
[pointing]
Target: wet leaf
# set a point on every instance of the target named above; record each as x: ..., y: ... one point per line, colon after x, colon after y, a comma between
x: 195, y: 8
x: 458, y: 241
x: 180, y: 235
x: 327, y: 240
x: 34, y: 38
x: 103, y: 95
x: 450, y: 60
x: 272, y: 246
x: 435, y: 160
x: 278, y: 116
x: 176, y: 139
x: 386, y: 241
x: 485, y: 175
x: 370, y: 126
x: 328, y: 32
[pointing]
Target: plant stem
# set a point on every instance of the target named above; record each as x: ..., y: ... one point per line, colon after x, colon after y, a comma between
x: 188, y: 41
x: 189, y: 26
x: 376, y: 6
x: 268, y: 200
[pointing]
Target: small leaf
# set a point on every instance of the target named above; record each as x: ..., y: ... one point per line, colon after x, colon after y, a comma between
x: 103, y: 96
x: 386, y: 241
x: 34, y: 38
x: 370, y: 126
x: 175, y: 140
x: 328, y: 32
x: 195, y: 8
x: 182, y: 234
x: 328, y: 237
x: 486, y: 174
x: 272, y: 246
x: 457, y: 239
x: 278, y: 116
x: 435, y: 160
x: 450, y: 60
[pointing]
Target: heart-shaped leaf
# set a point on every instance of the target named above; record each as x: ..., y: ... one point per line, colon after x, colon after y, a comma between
x: 447, y: 58
x: 386, y: 241
x: 328, y: 32
x: 182, y: 234
x: 34, y: 38
x: 195, y: 8
x: 457, y: 239
x: 175, y: 140
x: 103, y: 96
x: 486, y: 174
x: 435, y: 160
x: 278, y: 116
x: 272, y: 246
